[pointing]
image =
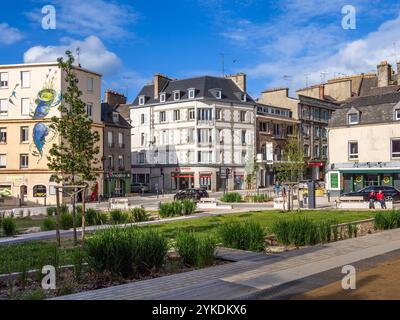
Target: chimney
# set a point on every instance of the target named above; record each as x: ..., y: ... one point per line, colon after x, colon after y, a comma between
x: 384, y: 74
x: 322, y: 92
x: 159, y: 83
x: 114, y: 98
x: 240, y: 79
x: 398, y: 73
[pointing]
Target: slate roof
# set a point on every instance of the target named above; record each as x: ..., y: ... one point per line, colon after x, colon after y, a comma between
x: 373, y: 109
x: 107, y: 117
x: 204, y: 89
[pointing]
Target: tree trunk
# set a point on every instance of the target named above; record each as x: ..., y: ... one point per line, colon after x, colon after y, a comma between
x: 83, y: 214
x: 58, y: 218
x: 74, y: 211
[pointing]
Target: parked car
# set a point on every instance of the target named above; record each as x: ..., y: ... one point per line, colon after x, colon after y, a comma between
x: 139, y: 188
x: 195, y: 194
x: 391, y: 193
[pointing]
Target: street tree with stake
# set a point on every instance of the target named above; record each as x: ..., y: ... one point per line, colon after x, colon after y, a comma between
x: 76, y: 155
x: 291, y: 169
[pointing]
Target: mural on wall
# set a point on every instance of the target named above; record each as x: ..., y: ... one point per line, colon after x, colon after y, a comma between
x: 46, y: 99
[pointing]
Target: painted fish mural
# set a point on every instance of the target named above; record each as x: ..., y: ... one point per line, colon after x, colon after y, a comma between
x: 40, y: 133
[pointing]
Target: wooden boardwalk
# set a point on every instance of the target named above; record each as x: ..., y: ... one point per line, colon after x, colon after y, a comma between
x: 252, y: 273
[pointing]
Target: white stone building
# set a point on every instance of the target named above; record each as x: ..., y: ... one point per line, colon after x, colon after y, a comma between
x: 191, y: 133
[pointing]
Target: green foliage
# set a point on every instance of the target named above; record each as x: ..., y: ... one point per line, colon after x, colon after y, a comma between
x: 35, y: 295
x: 232, y: 197
x: 95, y: 217
x: 9, y: 227
x: 172, y: 209
x: 119, y: 217
x: 291, y: 168
x: 126, y: 251
x: 301, y: 231
x: 139, y: 215
x: 196, y: 250
x: 387, y: 220
x: 66, y: 221
x: 51, y: 211
x: 248, y: 235
x: 48, y: 224
x: 261, y: 198
x: 78, y: 260
x: 188, y: 207
x: 77, y: 157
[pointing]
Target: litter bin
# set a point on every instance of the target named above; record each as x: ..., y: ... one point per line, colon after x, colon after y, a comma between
x: 311, y: 195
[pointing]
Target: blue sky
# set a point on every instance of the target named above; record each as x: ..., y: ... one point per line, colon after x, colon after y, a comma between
x: 277, y: 43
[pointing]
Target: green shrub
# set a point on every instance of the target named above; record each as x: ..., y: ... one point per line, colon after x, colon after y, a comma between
x: 64, y: 209
x: 387, y: 220
x: 51, y: 211
x: 139, y: 215
x: 119, y: 217
x: 35, y: 295
x: 124, y: 251
x: 195, y: 250
x: 188, y: 207
x: 95, y: 217
x: 247, y: 235
x: 66, y: 220
x: 48, y: 224
x: 9, y: 227
x: 172, y: 209
x: 232, y: 197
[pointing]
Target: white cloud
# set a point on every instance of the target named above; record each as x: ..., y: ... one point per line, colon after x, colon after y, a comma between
x: 107, y: 19
x: 93, y: 54
x: 9, y: 35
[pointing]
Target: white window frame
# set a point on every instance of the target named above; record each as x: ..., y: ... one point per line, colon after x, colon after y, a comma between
x: 394, y: 155
x: 177, y: 115
x: 353, y: 156
x: 90, y: 84
x: 4, y: 80
x: 22, y: 130
x: 353, y: 122
x: 3, y: 161
x: 110, y: 139
x: 163, y: 116
x: 177, y: 95
x: 142, y: 119
x: 163, y: 97
x: 218, y: 94
x: 3, y: 107
x: 26, y: 164
x: 192, y: 114
x: 1, y: 133
x: 397, y: 114
x: 25, y: 85
x: 142, y: 100
x: 25, y: 106
x: 192, y: 93
x: 115, y: 117
x: 120, y: 139
x: 89, y: 109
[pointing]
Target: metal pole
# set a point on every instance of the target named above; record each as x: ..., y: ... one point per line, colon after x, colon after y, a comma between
x: 58, y: 217
x: 83, y: 214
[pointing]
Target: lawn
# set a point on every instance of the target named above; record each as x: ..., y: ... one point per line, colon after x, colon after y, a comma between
x: 35, y: 254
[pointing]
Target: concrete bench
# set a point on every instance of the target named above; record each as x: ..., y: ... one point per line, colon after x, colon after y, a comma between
x: 351, y: 199
x: 118, y: 204
x: 208, y: 200
x: 211, y: 203
x: 359, y: 203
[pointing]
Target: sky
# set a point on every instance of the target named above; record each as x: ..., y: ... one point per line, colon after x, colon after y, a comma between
x: 287, y: 43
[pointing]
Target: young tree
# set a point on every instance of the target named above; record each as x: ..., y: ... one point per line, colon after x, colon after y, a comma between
x: 76, y: 155
x: 290, y: 170
x: 251, y: 168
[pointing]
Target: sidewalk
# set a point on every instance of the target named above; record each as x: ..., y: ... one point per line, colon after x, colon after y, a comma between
x: 252, y: 275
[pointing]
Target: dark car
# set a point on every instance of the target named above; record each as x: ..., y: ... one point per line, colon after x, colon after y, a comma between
x: 195, y: 194
x: 391, y: 193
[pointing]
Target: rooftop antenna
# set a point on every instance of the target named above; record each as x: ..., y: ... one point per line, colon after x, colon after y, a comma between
x: 306, y: 75
x: 323, y: 76
x: 127, y: 86
x: 78, y: 54
x: 287, y: 79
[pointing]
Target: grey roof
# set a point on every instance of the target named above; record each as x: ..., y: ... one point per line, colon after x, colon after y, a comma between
x: 204, y: 87
x: 318, y: 102
x: 372, y: 109
x: 107, y: 117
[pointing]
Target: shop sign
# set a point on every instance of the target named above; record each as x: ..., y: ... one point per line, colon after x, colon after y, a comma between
x: 333, y: 179
x: 121, y: 175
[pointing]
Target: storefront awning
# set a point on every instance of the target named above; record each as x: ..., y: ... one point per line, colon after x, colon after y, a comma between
x: 369, y: 171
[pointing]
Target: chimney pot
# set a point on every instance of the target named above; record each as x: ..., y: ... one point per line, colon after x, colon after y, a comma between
x: 384, y: 74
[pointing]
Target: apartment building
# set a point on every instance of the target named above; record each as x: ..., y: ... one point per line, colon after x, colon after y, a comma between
x: 364, y: 144
x: 197, y: 132
x: 29, y: 97
x: 117, y: 145
x: 274, y: 127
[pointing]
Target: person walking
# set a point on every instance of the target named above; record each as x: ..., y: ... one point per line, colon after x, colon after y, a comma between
x: 381, y: 198
x: 372, y: 199
x: 277, y: 188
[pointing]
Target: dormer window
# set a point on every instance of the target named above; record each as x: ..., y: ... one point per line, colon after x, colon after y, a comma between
x: 244, y: 97
x: 163, y: 97
x: 353, y: 118
x: 142, y: 100
x: 192, y: 93
x: 177, y: 95
x: 218, y: 94
x: 115, y: 117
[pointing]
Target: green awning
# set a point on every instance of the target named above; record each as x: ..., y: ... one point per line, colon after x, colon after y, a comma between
x: 370, y: 171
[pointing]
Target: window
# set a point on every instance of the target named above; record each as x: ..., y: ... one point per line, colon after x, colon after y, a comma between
x: 190, y: 135
x: 218, y: 94
x: 242, y: 116
x: 218, y: 114
x: 353, y: 118
x: 317, y: 151
x: 205, y: 156
x: 306, y: 130
x: 39, y: 191
x: 324, y: 151
x: 25, y: 79
x: 23, y: 161
x: 317, y: 114
x: 326, y: 115
x: 263, y: 127
x: 90, y: 86
x: 324, y: 133
x: 396, y: 148
x: 317, y: 132
x: 89, y: 109
x: 243, y: 157
x: 110, y: 139
x: 142, y: 139
x: 244, y: 97
x: 110, y: 162
x: 25, y: 107
x: 24, y: 134
x: 353, y: 150
x: 164, y: 137
x: 3, y: 135
x: 306, y: 150
x: 177, y: 115
x: 277, y: 130
x: 142, y: 157
x: 115, y: 117
x: 142, y: 118
x: 3, y: 107
x: 163, y: 97
x: 243, y: 138
x: 192, y: 93
x: 163, y: 116
x: 177, y: 95
x: 191, y: 156
x: 121, y: 162
x: 205, y: 136
x: 205, y: 114
x: 121, y: 140
x: 3, y: 80
x: 3, y: 161
x: 142, y: 100
x: 192, y: 114
x: 397, y: 114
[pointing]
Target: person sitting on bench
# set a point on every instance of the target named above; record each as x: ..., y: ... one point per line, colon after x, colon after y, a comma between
x: 381, y: 198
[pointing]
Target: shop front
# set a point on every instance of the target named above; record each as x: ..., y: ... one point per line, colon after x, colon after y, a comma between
x: 182, y: 180
x: 117, y: 184
x: 354, y: 181
x: 205, y: 180
x: 239, y: 179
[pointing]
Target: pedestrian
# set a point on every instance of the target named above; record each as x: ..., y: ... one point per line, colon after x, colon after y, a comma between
x: 284, y: 197
x: 381, y: 198
x: 372, y: 199
x: 277, y: 188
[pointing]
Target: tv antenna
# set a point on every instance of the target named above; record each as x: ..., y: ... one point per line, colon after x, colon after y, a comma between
x: 323, y: 76
x: 78, y: 54
x: 287, y: 79
x: 307, y: 75
x: 127, y: 85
